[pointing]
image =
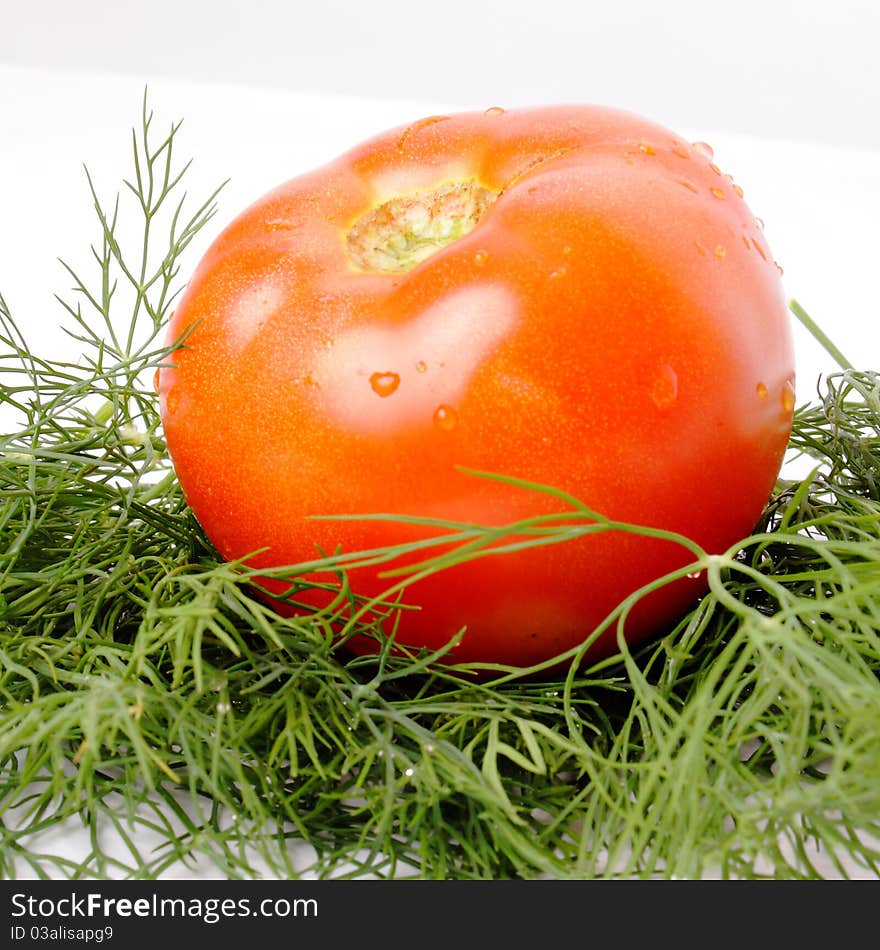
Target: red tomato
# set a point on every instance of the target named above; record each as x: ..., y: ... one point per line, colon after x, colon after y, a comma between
x: 571, y: 295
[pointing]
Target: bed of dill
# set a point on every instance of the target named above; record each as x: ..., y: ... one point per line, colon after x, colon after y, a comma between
x: 159, y: 712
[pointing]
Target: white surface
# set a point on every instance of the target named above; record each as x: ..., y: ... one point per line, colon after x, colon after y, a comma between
x: 806, y: 70
x: 820, y: 203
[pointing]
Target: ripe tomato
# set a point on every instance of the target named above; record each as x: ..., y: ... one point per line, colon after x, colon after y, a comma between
x: 570, y: 295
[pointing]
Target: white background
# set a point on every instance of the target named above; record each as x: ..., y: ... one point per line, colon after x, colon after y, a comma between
x: 788, y: 93
x: 806, y: 70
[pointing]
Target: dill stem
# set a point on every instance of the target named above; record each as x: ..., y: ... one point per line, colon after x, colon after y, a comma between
x: 819, y: 335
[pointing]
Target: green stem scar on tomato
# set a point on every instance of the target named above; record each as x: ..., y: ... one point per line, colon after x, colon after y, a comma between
x: 407, y: 229
x: 572, y: 296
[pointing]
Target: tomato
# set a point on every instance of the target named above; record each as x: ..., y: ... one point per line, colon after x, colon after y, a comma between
x: 570, y: 295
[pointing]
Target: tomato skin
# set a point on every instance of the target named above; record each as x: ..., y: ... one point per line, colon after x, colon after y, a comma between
x: 614, y: 326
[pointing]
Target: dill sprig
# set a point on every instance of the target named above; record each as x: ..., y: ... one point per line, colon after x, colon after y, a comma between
x: 156, y: 708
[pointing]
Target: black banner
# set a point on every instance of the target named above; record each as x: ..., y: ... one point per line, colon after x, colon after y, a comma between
x: 499, y: 914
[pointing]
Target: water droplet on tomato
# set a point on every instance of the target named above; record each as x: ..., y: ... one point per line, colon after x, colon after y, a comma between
x: 495, y: 110
x: 445, y: 417
x: 717, y: 192
x: 384, y: 384
x: 695, y: 575
x: 647, y: 149
x: 788, y: 398
x: 760, y: 223
x: 719, y: 251
x: 738, y: 189
x: 759, y: 249
x: 416, y: 127
x: 761, y: 390
x: 687, y: 184
x: 779, y: 269
x: 558, y: 273
x: 480, y: 258
x: 681, y: 150
x: 715, y: 168
x: 664, y: 387
x: 422, y: 366
x: 704, y: 148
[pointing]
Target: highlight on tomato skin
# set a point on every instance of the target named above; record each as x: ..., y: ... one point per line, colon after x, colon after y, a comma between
x: 570, y: 295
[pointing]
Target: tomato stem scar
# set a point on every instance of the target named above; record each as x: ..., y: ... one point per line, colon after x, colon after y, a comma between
x: 405, y: 230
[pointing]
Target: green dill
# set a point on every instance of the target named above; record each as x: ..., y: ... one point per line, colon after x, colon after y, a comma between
x: 153, y: 705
